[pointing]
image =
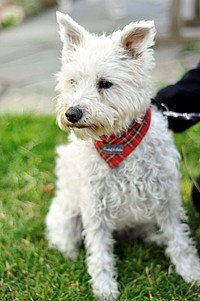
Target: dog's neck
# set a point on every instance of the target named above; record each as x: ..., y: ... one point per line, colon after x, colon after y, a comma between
x: 114, y: 149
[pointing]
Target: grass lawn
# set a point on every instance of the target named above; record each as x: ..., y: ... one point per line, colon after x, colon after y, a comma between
x: 29, y: 269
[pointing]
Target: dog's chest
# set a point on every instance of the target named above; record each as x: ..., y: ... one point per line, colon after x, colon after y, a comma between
x: 127, y: 200
x: 121, y: 193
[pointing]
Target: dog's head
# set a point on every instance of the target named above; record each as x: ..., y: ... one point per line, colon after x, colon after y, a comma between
x: 104, y: 81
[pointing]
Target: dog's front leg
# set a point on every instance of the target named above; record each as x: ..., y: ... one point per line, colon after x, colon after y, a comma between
x: 100, y: 258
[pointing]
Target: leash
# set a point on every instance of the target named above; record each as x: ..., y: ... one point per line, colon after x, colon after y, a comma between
x: 185, y: 116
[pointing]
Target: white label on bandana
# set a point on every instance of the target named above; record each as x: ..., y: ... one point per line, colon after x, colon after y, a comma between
x: 113, y: 149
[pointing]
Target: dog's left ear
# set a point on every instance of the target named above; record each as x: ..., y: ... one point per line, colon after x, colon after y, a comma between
x: 71, y: 33
x: 137, y: 37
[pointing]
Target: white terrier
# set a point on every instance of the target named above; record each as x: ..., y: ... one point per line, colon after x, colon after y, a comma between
x: 120, y: 170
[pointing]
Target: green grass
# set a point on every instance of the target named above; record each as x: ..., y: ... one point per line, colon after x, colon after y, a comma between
x: 29, y: 269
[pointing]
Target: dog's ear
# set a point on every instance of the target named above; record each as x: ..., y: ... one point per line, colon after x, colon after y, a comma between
x: 71, y: 33
x: 137, y: 37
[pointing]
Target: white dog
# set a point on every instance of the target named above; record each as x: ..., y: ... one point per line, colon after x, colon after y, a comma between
x: 120, y: 170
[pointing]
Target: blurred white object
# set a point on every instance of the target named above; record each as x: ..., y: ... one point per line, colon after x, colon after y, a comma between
x: 65, y: 6
x: 92, y: 1
x: 116, y: 8
x: 154, y: 1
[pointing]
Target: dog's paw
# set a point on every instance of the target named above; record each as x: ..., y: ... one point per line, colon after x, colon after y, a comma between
x: 189, y: 269
x: 192, y: 276
x: 70, y: 253
x: 105, y: 288
x: 67, y: 248
x: 106, y: 295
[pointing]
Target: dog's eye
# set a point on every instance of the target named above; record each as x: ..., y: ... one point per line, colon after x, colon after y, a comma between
x: 103, y: 84
x: 72, y: 82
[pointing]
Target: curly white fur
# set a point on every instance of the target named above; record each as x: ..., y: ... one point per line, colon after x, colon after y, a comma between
x: 92, y: 200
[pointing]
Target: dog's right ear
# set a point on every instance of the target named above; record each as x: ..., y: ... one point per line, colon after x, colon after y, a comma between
x: 137, y: 37
x: 71, y: 33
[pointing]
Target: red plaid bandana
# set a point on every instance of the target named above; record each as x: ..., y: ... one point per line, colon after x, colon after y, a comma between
x: 115, y: 149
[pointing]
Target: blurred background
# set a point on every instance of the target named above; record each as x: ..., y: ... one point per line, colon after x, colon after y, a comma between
x: 30, y: 45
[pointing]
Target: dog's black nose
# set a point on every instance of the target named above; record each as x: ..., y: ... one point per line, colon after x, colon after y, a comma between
x: 73, y: 114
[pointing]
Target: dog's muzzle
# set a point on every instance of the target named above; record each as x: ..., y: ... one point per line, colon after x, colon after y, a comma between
x: 73, y: 114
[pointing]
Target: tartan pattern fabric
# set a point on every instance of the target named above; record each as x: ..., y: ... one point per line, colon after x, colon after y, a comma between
x: 114, y: 149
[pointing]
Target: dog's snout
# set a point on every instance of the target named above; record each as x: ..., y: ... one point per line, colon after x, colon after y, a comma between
x: 73, y: 114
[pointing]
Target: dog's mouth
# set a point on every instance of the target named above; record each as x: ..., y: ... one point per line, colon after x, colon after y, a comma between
x: 83, y: 126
